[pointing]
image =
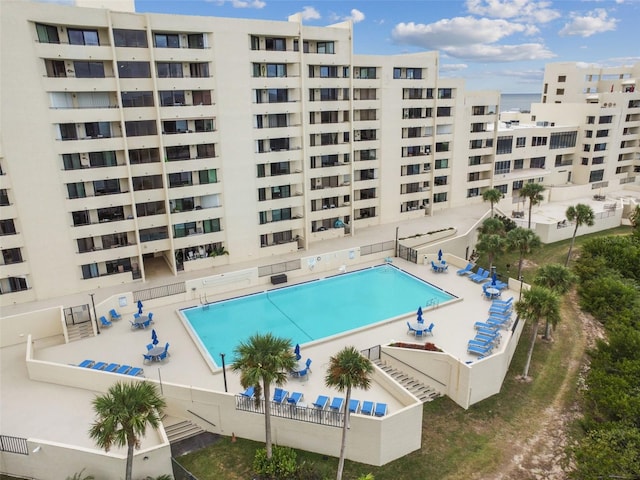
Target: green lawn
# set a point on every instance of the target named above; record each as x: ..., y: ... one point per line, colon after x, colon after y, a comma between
x: 456, y: 443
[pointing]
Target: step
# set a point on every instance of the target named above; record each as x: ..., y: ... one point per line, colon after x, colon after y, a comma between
x: 181, y: 430
x: 424, y: 393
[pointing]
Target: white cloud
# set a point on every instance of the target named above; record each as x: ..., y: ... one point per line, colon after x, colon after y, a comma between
x: 596, y: 21
x: 242, y: 3
x: 355, y: 16
x: 453, y: 67
x: 519, y: 10
x: 459, y: 31
x: 310, y: 13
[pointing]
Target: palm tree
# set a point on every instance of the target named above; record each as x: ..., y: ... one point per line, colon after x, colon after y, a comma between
x: 123, y: 414
x: 533, y: 192
x: 523, y: 240
x: 491, y: 245
x: 556, y: 278
x: 492, y: 226
x: 583, y: 215
x: 537, y: 303
x: 346, y: 370
x: 261, y: 361
x: 492, y: 195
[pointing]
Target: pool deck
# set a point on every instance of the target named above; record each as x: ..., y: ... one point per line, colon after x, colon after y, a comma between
x: 61, y: 414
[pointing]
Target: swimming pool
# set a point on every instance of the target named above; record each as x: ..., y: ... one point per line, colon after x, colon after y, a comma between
x: 312, y: 310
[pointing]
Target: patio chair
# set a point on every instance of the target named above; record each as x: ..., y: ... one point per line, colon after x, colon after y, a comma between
x: 466, y: 270
x: 336, y: 404
x: 112, y: 367
x: 410, y: 330
x: 86, y: 363
x: 123, y: 369
x: 104, y: 322
x: 381, y: 409
x: 354, y: 405
x: 146, y: 323
x: 163, y: 356
x: 147, y: 358
x: 420, y: 333
x: 321, y: 402
x: 150, y: 317
x: 294, y: 398
x: 166, y: 348
x: 150, y: 346
x: 308, y: 364
x: 249, y: 392
x: 280, y: 395
x: 135, y: 371
x: 428, y: 330
x: 367, y: 408
x: 480, y: 272
x: 114, y: 315
x: 136, y: 325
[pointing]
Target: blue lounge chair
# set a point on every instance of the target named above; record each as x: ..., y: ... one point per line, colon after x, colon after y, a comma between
x: 249, y: 392
x: 500, y: 309
x: 99, y: 366
x: 367, y: 408
x: 480, y: 272
x: 280, y: 395
x: 479, y: 325
x: 381, y: 409
x: 114, y: 315
x: 354, y: 405
x: 478, y: 350
x: 495, y: 338
x: 135, y: 371
x: 336, y: 404
x: 488, y: 331
x: 123, y: 369
x: 482, y: 278
x: 508, y: 301
x: 112, y: 367
x: 321, y: 402
x: 86, y: 363
x: 294, y: 398
x: 466, y: 270
x: 104, y: 322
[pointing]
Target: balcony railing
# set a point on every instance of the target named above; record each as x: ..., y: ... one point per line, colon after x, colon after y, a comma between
x: 298, y: 412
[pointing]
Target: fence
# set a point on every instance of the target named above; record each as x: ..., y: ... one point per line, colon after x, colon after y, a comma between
x: 408, y: 254
x: 299, y: 412
x: 372, y: 353
x: 14, y: 445
x: 377, y: 247
x: 77, y: 314
x: 276, y: 268
x: 161, y: 291
x: 181, y: 473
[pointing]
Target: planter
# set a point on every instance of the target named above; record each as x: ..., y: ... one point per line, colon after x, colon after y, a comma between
x: 428, y: 346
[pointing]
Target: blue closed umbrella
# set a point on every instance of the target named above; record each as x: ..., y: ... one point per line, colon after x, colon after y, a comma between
x: 140, y: 307
x: 439, y: 254
x: 297, y: 351
x: 420, y: 320
x: 494, y: 279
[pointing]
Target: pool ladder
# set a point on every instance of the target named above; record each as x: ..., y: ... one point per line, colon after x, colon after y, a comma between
x: 432, y: 303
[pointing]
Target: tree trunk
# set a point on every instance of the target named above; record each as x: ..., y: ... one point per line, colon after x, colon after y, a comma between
x: 129, y: 469
x: 547, y: 330
x: 530, y: 208
x: 345, y: 427
x: 534, y: 336
x: 573, y: 239
x: 520, y: 266
x: 267, y: 417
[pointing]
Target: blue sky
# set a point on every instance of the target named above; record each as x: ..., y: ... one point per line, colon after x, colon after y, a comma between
x: 492, y: 44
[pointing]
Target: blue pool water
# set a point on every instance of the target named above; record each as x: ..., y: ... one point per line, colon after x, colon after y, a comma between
x: 312, y: 310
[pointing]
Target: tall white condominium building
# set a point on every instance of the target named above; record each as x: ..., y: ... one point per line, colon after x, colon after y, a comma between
x: 205, y: 141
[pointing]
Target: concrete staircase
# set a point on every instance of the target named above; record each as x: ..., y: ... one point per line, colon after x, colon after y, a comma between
x: 178, y: 429
x: 79, y: 331
x: 424, y: 393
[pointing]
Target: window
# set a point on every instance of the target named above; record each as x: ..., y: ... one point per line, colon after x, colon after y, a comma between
x: 106, y: 187
x: 270, y: 70
x: 588, y: 133
x: 602, y: 133
x: 518, y: 164
x: 211, y: 225
x: 169, y: 70
x: 177, y: 153
x: 4, y: 198
x: 517, y: 185
x: 599, y: 147
x: 444, y: 93
x: 137, y: 99
x: 473, y: 192
x: 129, y: 38
x: 328, y: 72
x: 559, y: 91
x: 144, y: 155
x: 140, y: 128
x: 76, y: 190
x: 505, y: 145
x: 562, y: 78
x: 207, y: 176
x: 502, y: 188
x: 134, y: 70
x: 475, y: 160
x: 110, y: 214
x: 439, y: 197
x: 47, y: 33
x: 88, y: 69
x: 585, y: 161
x: 81, y: 217
x: 442, y: 146
x: 439, y: 181
x: 150, y: 208
x: 412, y: 93
x: 166, y: 40
x: 275, y: 44
x: 591, y: 120
x: 605, y: 119
x: 180, y: 179
x: 103, y: 159
x: 11, y: 255
x: 597, y: 161
x: 204, y: 125
x: 502, y: 167
x: 90, y: 271
x: 169, y: 98
x: 562, y: 140
x: 473, y: 177
x: 174, y: 126
x: 195, y: 40
x: 596, y: 176
x: 201, y: 97
x: 255, y: 42
x: 97, y: 129
x: 521, y: 142
x: 442, y: 163
x: 537, y: 162
x: 538, y: 141
x: 68, y: 131
x: 7, y: 227
x: 82, y: 37
x: 365, y: 72
x: 325, y: 47
x: 414, y: 73
x: 199, y: 70
x: 55, y: 68
x: 206, y: 150
x: 443, y: 112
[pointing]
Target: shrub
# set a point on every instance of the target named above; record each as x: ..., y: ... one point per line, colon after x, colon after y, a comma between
x: 281, y: 466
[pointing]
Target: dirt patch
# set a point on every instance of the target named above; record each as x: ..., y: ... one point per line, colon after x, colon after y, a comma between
x: 543, y: 456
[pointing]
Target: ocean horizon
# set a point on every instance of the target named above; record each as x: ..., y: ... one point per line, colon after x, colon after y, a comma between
x: 518, y: 101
